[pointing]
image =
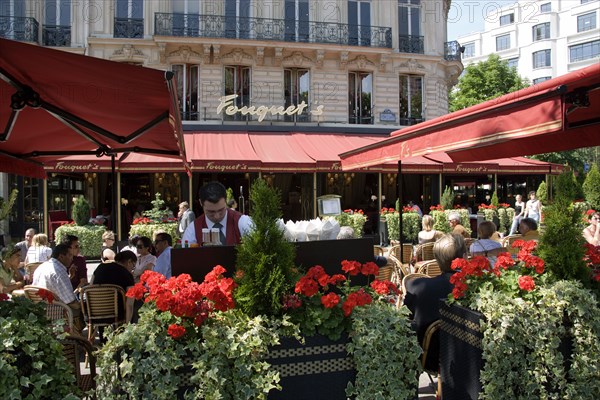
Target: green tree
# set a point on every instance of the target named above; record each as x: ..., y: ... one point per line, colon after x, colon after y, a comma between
x: 576, y: 159
x: 494, y: 200
x: 591, y: 187
x: 567, y: 187
x: 541, y: 193
x: 447, y: 200
x: 483, y: 81
x: 81, y: 211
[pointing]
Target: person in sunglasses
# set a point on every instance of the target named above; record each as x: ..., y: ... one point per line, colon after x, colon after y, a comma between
x: 146, y: 260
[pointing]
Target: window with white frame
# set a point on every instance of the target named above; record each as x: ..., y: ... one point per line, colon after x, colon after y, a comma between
x: 469, y: 50
x: 409, y: 26
x: 513, y: 62
x: 57, y: 23
x: 296, y: 16
x: 188, y: 90
x: 359, y: 22
x: 541, y: 31
x: 542, y: 79
x: 360, y: 97
x: 14, y: 27
x: 186, y: 21
x: 507, y: 19
x: 586, y: 22
x: 584, y: 51
x: 237, y: 82
x: 411, y: 99
x: 296, y: 82
x: 503, y: 42
x: 237, y: 19
x: 545, y: 8
x: 542, y: 59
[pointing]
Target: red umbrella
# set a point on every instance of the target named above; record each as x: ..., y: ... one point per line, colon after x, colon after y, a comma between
x: 559, y: 114
x: 54, y: 104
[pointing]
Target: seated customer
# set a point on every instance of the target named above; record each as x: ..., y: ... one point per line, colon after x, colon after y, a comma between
x: 423, y: 294
x: 118, y: 273
x: 485, y: 230
x: 454, y: 221
x: 428, y: 234
x: 528, y: 228
x: 39, y: 250
x: 9, y: 270
x: 591, y: 233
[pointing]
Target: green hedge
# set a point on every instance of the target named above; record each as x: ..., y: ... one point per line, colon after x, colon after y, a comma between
x: 440, y: 219
x: 149, y: 230
x: 90, y: 237
x: 411, y: 226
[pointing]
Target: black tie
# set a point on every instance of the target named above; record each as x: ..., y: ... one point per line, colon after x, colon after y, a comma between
x: 221, y: 234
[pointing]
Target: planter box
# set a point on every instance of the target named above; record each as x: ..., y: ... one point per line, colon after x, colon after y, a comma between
x: 460, y: 352
x: 318, y: 370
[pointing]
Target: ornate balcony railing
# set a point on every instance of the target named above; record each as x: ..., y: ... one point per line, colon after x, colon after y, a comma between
x: 452, y: 51
x: 219, y: 26
x: 56, y: 35
x: 132, y: 28
x: 25, y: 29
x: 411, y: 44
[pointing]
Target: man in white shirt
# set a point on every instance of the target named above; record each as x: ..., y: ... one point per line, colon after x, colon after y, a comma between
x: 231, y: 223
x: 162, y: 244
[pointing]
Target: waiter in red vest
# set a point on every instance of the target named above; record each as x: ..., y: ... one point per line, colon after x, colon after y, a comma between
x: 231, y: 223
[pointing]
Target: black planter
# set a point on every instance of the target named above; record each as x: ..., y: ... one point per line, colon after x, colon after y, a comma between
x: 318, y: 370
x: 460, y: 352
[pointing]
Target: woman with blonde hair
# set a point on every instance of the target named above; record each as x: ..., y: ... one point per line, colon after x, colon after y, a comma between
x: 428, y: 234
x: 108, y: 242
x: 39, y: 251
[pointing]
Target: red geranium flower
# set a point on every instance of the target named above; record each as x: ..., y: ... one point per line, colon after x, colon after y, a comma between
x: 370, y: 268
x: 176, y: 331
x: 330, y: 300
x: 526, y: 283
x: 4, y: 297
x: 351, y: 267
x: 46, y: 295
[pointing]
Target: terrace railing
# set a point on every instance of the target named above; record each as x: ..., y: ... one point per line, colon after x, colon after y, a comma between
x: 231, y: 27
x: 132, y: 28
x: 25, y: 29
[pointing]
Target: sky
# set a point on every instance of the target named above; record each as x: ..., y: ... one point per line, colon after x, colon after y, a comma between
x: 467, y: 16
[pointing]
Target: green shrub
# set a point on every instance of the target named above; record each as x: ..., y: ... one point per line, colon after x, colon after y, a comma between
x: 561, y: 245
x: 567, y: 187
x: 81, y: 211
x: 505, y: 217
x: 265, y: 259
x: 465, y: 219
x: 440, y: 221
x: 6, y: 206
x: 591, y: 187
x: 542, y: 193
x: 150, y: 230
x: 90, y: 237
x: 447, y: 200
x: 494, y: 200
x: 411, y: 226
x: 353, y: 218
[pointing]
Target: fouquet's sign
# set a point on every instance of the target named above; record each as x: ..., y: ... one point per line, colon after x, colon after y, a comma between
x: 226, y: 103
x: 470, y: 168
x: 213, y: 166
x: 69, y: 167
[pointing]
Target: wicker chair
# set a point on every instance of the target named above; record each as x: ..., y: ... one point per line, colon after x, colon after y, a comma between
x: 378, y: 251
x: 100, y: 307
x: 430, y: 359
x: 429, y: 268
x: 76, y: 349
x: 32, y: 293
x: 407, y: 278
x: 58, y: 310
x: 424, y: 252
x: 400, y: 269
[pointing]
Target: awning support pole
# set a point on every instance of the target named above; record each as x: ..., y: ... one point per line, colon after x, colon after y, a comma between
x: 115, y: 207
x: 400, y: 205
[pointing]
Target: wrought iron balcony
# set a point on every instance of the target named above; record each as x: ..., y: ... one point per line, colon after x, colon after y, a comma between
x: 132, y: 28
x: 411, y: 44
x: 452, y: 51
x: 56, y: 35
x: 219, y: 26
x: 25, y: 29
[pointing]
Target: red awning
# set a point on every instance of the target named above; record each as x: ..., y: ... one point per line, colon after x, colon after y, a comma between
x: 138, y: 162
x: 558, y: 114
x: 221, y: 152
x: 55, y: 104
x: 512, y: 165
x: 279, y: 152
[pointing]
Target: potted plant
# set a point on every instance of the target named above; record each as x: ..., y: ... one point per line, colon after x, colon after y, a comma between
x: 32, y: 365
x: 532, y: 324
x: 158, y: 219
x: 354, y: 218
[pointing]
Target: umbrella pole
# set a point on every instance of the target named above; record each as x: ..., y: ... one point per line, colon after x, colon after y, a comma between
x: 113, y: 214
x: 400, y: 205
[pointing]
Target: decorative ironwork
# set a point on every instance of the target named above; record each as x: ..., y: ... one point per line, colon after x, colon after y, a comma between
x: 219, y: 26
x: 452, y: 51
x: 25, y: 29
x: 411, y: 44
x: 132, y: 28
x: 56, y: 35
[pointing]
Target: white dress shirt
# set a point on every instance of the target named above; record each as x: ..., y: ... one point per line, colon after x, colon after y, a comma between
x: 245, y: 225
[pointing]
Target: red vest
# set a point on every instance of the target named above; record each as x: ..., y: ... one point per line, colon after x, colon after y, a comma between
x: 233, y: 236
